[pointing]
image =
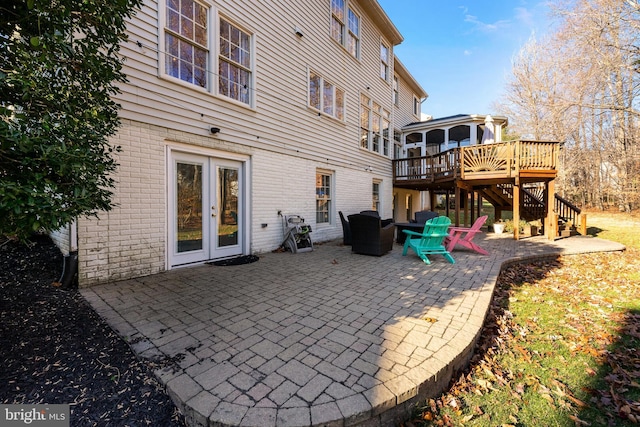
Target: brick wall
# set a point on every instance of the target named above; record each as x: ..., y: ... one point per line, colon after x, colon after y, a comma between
x: 130, y: 240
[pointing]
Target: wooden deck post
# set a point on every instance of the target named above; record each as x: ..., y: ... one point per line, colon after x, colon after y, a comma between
x: 516, y: 210
x: 457, y: 194
x: 582, y: 220
x: 551, y: 225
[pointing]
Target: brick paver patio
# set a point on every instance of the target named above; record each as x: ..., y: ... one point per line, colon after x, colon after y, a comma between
x: 324, y: 338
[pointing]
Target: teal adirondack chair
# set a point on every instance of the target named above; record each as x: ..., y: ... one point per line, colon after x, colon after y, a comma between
x: 430, y: 241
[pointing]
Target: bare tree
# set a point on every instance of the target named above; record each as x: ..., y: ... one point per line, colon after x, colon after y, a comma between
x: 580, y: 85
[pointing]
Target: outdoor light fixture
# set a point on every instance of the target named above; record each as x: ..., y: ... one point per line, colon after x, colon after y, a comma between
x: 215, y: 130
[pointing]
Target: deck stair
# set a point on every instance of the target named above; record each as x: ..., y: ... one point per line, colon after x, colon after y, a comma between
x: 533, y: 207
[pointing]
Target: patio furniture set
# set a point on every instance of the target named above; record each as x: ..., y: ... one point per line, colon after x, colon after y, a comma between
x: 428, y: 234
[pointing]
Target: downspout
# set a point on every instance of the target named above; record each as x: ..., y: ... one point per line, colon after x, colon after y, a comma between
x: 69, y: 276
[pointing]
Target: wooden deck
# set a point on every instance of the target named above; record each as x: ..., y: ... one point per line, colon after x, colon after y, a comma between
x: 478, y: 165
x: 516, y: 176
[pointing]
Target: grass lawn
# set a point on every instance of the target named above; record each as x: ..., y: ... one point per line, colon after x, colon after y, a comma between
x: 560, y: 346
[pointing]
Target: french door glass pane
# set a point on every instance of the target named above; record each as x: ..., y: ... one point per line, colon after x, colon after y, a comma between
x: 228, y: 214
x: 189, y: 207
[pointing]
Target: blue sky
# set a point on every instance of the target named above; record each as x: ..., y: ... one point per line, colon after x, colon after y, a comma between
x: 460, y: 51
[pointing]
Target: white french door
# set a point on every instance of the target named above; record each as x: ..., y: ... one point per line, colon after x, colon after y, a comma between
x: 206, y: 216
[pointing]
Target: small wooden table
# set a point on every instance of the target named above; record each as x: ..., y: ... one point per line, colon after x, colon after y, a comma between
x: 413, y: 226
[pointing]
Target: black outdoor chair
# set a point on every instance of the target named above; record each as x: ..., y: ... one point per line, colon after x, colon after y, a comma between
x: 424, y: 216
x: 369, y: 236
x: 346, y: 230
x: 376, y: 214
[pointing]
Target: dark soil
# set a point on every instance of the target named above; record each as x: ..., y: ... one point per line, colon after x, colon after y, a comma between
x: 54, y: 349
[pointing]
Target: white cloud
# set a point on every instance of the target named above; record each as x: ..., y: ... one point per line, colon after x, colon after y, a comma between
x: 467, y: 52
x: 485, y: 26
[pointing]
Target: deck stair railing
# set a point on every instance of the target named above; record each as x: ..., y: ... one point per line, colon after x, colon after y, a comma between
x: 569, y: 217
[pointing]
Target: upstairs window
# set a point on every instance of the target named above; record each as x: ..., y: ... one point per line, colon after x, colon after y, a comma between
x: 365, y: 120
x: 353, y: 34
x: 397, y: 144
x: 416, y: 106
x: 384, y: 62
x: 396, y: 93
x: 325, y: 97
x: 345, y: 27
x: 186, y: 41
x: 234, y: 64
x: 188, y: 36
x: 374, y: 126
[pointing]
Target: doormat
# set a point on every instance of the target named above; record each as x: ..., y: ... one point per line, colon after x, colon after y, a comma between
x: 239, y: 260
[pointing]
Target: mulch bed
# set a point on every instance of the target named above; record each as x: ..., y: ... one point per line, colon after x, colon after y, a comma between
x: 54, y: 349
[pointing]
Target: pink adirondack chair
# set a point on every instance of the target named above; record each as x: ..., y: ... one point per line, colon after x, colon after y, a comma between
x: 463, y: 236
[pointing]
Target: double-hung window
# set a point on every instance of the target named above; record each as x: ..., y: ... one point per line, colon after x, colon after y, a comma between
x: 323, y: 197
x: 384, y: 62
x: 416, y: 106
x: 365, y: 120
x: 396, y: 93
x: 190, y: 37
x: 186, y: 39
x: 345, y: 27
x: 234, y: 62
x: 375, y: 195
x: 385, y: 132
x: 374, y: 126
x: 325, y: 97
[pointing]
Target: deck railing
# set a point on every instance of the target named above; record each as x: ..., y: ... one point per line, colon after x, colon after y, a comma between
x: 502, y: 159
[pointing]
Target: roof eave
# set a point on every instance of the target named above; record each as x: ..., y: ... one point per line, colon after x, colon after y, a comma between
x: 382, y: 21
x: 402, y: 71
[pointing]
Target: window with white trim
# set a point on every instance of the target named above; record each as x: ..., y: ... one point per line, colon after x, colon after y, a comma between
x: 323, y: 196
x: 189, y: 33
x: 396, y: 93
x: 374, y: 126
x: 186, y: 41
x: 325, y: 97
x: 384, y: 62
x: 376, y: 138
x: 375, y: 195
x: 397, y: 144
x: 365, y: 120
x: 416, y: 106
x: 234, y: 63
x: 385, y: 132
x: 345, y: 27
